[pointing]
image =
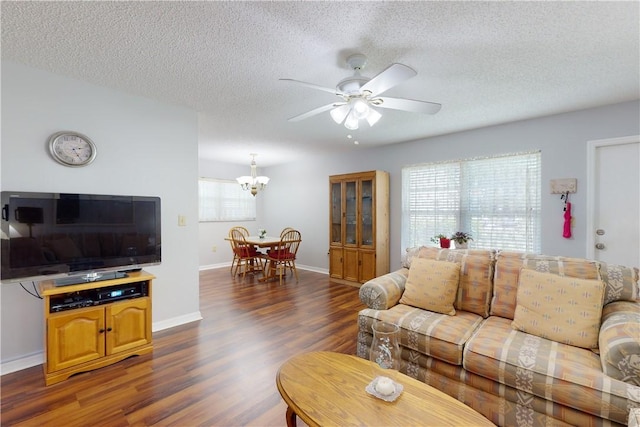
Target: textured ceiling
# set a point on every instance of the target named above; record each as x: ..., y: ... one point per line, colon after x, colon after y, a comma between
x: 485, y: 62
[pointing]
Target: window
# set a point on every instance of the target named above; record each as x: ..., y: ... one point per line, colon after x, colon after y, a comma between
x: 495, y: 199
x: 224, y: 200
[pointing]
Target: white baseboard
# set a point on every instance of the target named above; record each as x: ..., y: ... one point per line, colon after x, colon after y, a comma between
x: 214, y: 266
x: 311, y: 268
x: 176, y: 321
x: 300, y: 266
x: 25, y: 362
x: 35, y: 359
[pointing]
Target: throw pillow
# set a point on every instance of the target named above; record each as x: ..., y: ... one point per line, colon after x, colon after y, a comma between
x: 432, y: 285
x: 621, y: 283
x: 563, y: 309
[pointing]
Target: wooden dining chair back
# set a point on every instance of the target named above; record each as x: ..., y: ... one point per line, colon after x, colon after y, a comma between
x: 234, y: 261
x: 284, y: 230
x: 283, y: 257
x: 249, y: 259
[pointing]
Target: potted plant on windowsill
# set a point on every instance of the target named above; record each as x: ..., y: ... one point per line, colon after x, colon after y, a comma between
x: 461, y: 239
x: 441, y: 240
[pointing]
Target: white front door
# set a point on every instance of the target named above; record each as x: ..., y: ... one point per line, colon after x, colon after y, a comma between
x: 613, y: 200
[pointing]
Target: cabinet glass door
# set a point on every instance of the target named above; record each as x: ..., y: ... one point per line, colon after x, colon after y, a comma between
x: 336, y: 212
x: 366, y: 212
x: 351, y: 213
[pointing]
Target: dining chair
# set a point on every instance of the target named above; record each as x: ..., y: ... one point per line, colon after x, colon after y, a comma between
x: 283, y: 256
x: 246, y: 255
x: 284, y: 230
x: 234, y: 261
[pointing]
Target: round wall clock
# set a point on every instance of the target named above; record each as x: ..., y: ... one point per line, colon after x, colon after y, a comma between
x: 72, y: 148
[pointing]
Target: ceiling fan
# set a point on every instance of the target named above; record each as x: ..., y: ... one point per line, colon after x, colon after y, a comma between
x: 360, y: 95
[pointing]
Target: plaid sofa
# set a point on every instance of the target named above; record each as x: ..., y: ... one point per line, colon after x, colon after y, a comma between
x: 511, y: 377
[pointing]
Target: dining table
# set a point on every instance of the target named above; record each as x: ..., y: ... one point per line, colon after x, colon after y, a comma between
x: 269, y: 242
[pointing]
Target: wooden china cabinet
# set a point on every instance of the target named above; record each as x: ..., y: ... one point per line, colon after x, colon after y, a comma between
x: 359, y: 226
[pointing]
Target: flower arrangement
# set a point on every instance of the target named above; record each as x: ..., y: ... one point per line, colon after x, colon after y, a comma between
x: 461, y: 237
x: 441, y: 240
x: 436, y: 239
x: 262, y: 232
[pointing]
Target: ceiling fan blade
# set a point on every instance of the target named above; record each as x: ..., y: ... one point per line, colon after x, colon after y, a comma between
x: 409, y: 105
x: 314, y: 112
x: 312, y: 86
x: 391, y: 76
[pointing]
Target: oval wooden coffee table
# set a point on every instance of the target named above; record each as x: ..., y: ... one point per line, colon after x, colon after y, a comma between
x: 325, y: 389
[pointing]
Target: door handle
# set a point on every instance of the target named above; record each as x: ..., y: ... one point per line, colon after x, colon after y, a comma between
x: 599, y: 245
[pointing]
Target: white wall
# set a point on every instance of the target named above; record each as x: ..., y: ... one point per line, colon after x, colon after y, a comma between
x: 298, y: 193
x: 212, y: 234
x: 144, y: 148
x: 562, y: 139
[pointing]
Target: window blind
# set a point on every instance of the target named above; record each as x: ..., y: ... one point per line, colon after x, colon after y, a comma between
x: 224, y: 200
x: 495, y: 199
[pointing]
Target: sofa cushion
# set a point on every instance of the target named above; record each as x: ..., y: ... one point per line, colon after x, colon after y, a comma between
x: 507, y: 271
x: 246, y: 251
x: 438, y: 335
x: 563, y: 309
x: 621, y: 282
x: 476, y: 276
x: 432, y: 285
x: 620, y: 341
x: 568, y: 375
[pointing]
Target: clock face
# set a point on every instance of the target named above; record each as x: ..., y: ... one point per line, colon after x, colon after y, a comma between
x: 72, y: 149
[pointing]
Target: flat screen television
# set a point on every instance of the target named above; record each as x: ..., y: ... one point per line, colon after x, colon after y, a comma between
x: 76, y: 237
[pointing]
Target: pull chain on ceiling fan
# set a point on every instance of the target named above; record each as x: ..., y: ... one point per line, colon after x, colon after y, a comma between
x: 360, y: 95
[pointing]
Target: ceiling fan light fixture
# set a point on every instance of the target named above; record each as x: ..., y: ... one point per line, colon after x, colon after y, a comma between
x: 352, y: 121
x: 360, y: 109
x: 360, y: 96
x: 338, y: 114
x: 373, y: 117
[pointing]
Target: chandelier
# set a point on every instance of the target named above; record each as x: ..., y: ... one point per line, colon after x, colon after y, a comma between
x: 253, y: 182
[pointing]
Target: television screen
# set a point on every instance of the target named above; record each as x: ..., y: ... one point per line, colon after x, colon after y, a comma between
x: 48, y: 235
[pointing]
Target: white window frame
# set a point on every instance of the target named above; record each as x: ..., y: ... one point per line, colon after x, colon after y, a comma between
x: 496, y: 199
x: 224, y: 200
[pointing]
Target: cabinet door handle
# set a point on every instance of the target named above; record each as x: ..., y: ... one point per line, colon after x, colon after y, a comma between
x: 101, y: 330
x: 109, y: 329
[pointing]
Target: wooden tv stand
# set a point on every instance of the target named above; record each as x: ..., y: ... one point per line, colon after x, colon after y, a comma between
x: 95, y: 324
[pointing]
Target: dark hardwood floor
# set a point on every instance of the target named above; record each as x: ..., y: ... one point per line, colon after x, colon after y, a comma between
x: 219, y: 371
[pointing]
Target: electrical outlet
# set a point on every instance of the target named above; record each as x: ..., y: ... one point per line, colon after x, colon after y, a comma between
x: 182, y: 220
x: 214, y: 249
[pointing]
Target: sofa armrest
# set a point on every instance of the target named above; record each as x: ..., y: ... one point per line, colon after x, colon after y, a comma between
x: 385, y: 291
x: 619, y: 341
x: 634, y: 417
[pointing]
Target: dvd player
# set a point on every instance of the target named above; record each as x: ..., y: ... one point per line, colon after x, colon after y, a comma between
x: 111, y: 294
